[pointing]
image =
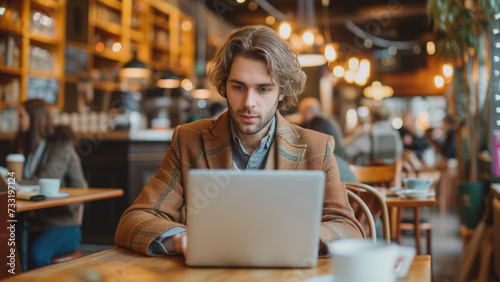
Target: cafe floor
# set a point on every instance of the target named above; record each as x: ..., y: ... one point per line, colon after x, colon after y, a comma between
x: 446, y: 244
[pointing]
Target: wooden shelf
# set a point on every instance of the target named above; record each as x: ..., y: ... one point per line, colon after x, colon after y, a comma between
x: 107, y: 85
x: 71, y: 78
x: 162, y: 23
x: 43, y: 38
x: 110, y: 55
x: 161, y: 47
x: 78, y: 45
x: 137, y: 35
x: 111, y: 28
x: 11, y: 71
x: 47, y: 3
x: 11, y: 30
x: 43, y: 74
x: 117, y: 5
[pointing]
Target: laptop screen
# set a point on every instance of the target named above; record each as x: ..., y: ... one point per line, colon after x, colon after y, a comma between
x: 254, y: 218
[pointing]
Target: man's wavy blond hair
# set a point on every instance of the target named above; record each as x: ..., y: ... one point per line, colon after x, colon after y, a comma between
x: 260, y: 43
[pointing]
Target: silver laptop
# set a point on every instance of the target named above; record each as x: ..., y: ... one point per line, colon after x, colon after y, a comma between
x: 255, y: 218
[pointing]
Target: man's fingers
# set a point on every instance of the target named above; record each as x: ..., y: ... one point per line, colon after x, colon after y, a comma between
x: 180, y: 243
x: 184, y: 243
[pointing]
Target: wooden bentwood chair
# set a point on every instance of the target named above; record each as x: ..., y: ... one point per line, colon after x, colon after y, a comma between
x: 391, y: 176
x: 373, y: 205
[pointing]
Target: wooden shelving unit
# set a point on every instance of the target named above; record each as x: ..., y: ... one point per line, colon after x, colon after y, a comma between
x: 43, y: 38
x: 10, y: 71
x: 107, y: 86
x: 177, y: 52
x: 38, y: 24
x: 52, y: 4
x: 158, y: 32
x: 11, y: 29
x: 186, y: 42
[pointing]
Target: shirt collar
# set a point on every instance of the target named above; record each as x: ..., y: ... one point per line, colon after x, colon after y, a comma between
x: 264, y: 143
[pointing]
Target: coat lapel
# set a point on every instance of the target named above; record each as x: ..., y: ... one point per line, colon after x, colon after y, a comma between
x: 289, y: 151
x: 217, y: 144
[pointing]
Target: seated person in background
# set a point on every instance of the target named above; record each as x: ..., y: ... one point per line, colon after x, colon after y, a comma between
x: 217, y: 109
x: 50, y: 152
x: 323, y: 125
x: 320, y: 124
x: 310, y: 108
x: 381, y: 142
x: 257, y: 73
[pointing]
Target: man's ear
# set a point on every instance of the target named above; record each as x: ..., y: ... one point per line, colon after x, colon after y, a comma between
x: 281, y: 97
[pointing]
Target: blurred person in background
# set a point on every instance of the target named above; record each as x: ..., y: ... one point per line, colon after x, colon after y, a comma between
x: 309, y: 109
x: 322, y: 125
x: 50, y: 153
x: 414, y: 146
x: 380, y: 142
x: 217, y: 109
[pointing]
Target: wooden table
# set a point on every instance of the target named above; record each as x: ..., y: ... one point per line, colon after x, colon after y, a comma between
x: 122, y: 265
x: 394, y: 201
x: 76, y: 195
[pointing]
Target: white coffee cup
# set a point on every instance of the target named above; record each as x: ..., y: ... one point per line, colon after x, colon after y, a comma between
x: 49, y: 186
x: 416, y: 183
x: 15, y: 163
x: 361, y: 260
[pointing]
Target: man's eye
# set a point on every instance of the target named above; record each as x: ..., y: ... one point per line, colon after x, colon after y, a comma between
x: 237, y: 87
x: 264, y: 90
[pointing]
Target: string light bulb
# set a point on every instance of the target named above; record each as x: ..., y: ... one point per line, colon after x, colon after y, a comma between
x: 285, y: 30
x: 330, y: 53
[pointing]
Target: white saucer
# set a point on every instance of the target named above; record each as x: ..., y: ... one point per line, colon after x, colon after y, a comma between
x: 395, y: 189
x: 321, y: 278
x: 416, y: 194
x: 58, y: 195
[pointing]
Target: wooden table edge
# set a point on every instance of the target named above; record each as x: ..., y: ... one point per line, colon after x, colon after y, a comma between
x: 101, y: 194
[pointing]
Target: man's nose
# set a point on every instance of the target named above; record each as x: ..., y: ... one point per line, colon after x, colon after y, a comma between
x: 250, y: 98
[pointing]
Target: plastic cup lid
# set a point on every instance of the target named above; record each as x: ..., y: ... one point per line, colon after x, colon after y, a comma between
x: 15, y: 158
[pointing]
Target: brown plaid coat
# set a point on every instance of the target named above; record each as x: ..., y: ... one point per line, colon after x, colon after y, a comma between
x: 206, y: 144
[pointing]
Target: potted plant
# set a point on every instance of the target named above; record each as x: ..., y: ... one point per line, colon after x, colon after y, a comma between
x: 465, y: 28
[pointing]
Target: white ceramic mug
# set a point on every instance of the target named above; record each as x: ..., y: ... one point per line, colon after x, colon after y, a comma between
x: 416, y: 183
x: 361, y: 260
x: 49, y: 186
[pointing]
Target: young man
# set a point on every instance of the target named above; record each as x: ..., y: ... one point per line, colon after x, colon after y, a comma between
x: 258, y: 73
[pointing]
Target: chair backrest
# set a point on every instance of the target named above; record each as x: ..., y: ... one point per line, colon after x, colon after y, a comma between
x: 367, y: 213
x: 376, y: 205
x: 387, y: 175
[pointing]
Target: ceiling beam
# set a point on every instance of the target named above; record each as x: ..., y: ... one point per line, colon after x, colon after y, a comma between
x: 373, y: 14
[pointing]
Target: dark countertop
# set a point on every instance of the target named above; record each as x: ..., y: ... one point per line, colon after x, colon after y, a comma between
x: 119, y: 135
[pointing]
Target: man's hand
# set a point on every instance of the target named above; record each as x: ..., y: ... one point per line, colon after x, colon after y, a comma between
x: 181, y: 242
x: 176, y: 243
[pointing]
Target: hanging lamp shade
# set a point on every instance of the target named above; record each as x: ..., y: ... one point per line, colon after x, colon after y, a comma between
x: 310, y: 37
x: 311, y: 60
x: 169, y: 81
x: 135, y: 68
x: 202, y: 93
x: 377, y: 91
